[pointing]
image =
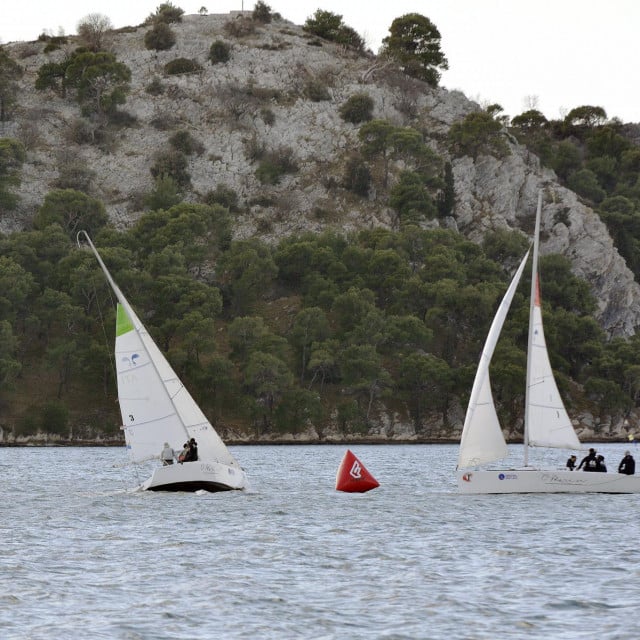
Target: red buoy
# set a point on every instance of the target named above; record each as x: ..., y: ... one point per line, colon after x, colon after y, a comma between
x: 353, y: 477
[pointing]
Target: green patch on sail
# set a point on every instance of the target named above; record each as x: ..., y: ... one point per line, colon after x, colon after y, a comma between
x: 123, y: 323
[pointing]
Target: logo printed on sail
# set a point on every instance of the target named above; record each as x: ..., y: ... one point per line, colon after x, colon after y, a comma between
x: 132, y: 360
x: 356, y: 470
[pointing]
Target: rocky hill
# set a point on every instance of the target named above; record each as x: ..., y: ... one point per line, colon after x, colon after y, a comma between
x: 259, y: 100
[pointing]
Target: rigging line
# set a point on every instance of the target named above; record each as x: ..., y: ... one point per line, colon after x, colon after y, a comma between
x: 104, y: 329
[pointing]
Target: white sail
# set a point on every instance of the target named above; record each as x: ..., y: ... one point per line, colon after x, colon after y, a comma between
x: 155, y: 405
x: 546, y: 422
x: 549, y: 424
x: 482, y: 440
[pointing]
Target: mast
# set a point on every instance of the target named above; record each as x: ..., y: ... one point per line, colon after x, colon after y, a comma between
x: 532, y: 302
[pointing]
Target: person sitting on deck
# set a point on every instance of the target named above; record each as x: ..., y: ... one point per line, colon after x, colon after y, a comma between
x: 627, y: 464
x: 167, y: 455
x: 589, y: 461
x: 600, y: 465
x: 184, y: 453
x: 571, y: 463
x: 193, y: 450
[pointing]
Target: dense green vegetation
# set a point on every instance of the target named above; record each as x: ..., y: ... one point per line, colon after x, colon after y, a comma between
x: 322, y: 329
x: 267, y: 338
x: 597, y: 158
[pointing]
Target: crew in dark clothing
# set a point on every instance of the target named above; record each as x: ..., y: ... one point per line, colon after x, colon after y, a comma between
x: 192, y: 456
x: 627, y: 464
x: 571, y: 463
x: 589, y: 462
x: 600, y: 465
x: 192, y: 452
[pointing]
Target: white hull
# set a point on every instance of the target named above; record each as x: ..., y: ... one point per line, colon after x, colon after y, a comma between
x: 196, y: 476
x: 544, y: 481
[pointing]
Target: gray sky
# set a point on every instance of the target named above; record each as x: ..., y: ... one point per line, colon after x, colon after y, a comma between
x: 551, y: 54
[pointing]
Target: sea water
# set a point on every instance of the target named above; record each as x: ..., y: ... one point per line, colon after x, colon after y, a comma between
x: 83, y: 556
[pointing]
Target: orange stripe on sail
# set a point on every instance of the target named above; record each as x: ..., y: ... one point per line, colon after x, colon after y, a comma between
x: 536, y: 301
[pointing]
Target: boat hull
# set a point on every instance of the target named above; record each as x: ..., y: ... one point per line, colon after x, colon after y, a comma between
x: 196, y: 476
x: 544, y: 481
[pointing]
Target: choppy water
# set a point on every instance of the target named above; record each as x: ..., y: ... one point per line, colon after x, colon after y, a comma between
x: 83, y: 557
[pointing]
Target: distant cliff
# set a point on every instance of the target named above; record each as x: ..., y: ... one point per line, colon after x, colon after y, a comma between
x: 259, y: 99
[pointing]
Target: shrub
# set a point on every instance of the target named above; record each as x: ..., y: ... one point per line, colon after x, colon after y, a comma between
x: 155, y: 87
x: 276, y: 164
x: 73, y: 172
x: 224, y: 196
x: 172, y: 163
x: 166, y: 13
x: 357, y: 177
x: 330, y: 26
x: 161, y: 37
x: 268, y: 117
x: 262, y: 12
x: 92, y: 30
x: 358, y: 108
x: 181, y: 65
x: 183, y: 141
x: 165, y: 194
x: 219, y: 52
x: 239, y: 27
x: 54, y: 418
x: 316, y: 90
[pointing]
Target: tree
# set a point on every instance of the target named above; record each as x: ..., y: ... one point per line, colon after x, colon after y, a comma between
x: 414, y: 43
x: 478, y: 134
x: 261, y: 12
x: 267, y: 377
x: 446, y: 199
x: 310, y: 326
x: 73, y: 211
x: 585, y: 116
x: 530, y: 120
x: 330, y: 26
x: 585, y: 183
x: 426, y: 382
x: 165, y: 193
x: 12, y: 155
x: 245, y: 273
x: 167, y: 12
x: 92, y: 30
x: 410, y: 199
x: 362, y: 370
x: 383, y: 140
x: 9, y: 364
x: 51, y: 75
x: 102, y: 82
x: 160, y: 37
x: 10, y: 71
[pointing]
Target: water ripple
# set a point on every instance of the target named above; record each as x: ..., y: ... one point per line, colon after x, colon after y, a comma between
x: 83, y: 556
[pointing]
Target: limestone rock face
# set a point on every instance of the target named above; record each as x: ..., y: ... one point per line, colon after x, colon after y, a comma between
x: 258, y: 101
x: 493, y: 194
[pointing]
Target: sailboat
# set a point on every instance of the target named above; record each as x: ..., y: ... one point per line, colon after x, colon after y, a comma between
x: 156, y: 409
x: 546, y: 422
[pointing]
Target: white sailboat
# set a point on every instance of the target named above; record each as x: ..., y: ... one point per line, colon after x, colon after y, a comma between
x: 157, y: 408
x: 546, y: 422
